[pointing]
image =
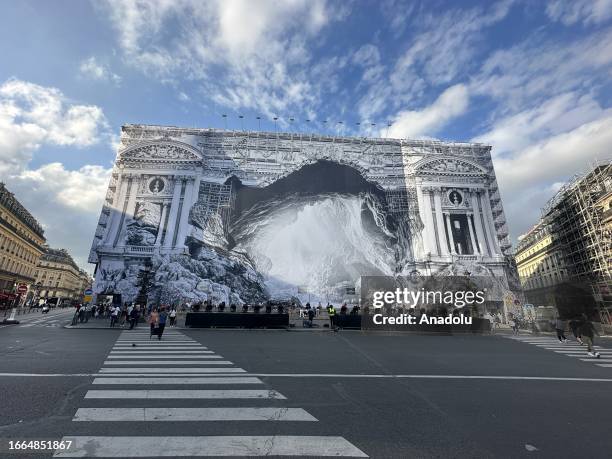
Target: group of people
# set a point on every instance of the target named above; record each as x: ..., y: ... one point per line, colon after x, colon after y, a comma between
x: 120, y: 316
x: 583, y: 330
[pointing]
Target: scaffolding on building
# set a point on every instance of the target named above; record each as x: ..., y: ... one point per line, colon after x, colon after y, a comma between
x: 586, y: 243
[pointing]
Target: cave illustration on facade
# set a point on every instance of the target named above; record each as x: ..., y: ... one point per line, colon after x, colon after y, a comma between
x: 240, y: 216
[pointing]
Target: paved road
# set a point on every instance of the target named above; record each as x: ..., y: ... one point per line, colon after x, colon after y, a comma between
x: 53, y: 318
x: 250, y: 393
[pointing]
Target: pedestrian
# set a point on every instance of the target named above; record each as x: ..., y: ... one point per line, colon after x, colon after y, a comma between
x: 124, y: 316
x: 134, y: 316
x: 154, y: 322
x: 114, y: 315
x: 331, y: 312
x: 513, y: 322
x: 489, y: 317
x: 588, y: 332
x: 163, y: 316
x: 173, y: 316
x: 575, y: 327
x: 311, y: 315
x: 560, y: 327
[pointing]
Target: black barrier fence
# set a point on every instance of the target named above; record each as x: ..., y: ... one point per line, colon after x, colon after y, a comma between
x: 233, y: 320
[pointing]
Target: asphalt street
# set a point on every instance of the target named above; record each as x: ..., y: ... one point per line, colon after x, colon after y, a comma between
x: 310, y: 394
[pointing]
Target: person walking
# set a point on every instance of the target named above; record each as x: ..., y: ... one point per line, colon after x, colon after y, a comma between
x: 560, y: 328
x: 134, y: 316
x: 161, y: 320
x: 154, y: 322
x: 513, y: 322
x: 575, y: 327
x: 588, y: 332
x: 172, y: 316
x: 311, y: 315
x: 122, y: 316
x: 114, y: 315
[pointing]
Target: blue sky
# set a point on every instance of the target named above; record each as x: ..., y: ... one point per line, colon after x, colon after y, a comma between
x: 532, y: 78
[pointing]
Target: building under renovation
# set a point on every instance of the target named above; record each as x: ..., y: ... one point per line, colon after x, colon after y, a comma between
x: 565, y: 261
x: 246, y: 216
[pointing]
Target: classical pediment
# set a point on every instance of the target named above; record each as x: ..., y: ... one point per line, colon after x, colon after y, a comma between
x: 446, y: 166
x: 161, y: 151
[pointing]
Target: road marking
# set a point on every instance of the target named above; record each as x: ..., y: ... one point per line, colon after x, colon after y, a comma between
x: 192, y: 414
x: 596, y: 360
x: 161, y: 344
x: 578, y: 354
x: 152, y: 394
x: 325, y: 375
x: 157, y: 351
x: 251, y: 446
x: 149, y: 349
x: 165, y: 375
x: 169, y: 362
x: 155, y: 355
x: 172, y: 370
x: 165, y: 380
x: 605, y: 365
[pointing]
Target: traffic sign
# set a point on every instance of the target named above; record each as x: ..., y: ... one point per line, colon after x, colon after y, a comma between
x: 88, y: 292
x: 22, y: 288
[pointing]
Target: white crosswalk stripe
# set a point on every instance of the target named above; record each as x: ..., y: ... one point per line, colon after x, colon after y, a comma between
x: 166, y: 362
x: 569, y: 349
x: 152, y: 372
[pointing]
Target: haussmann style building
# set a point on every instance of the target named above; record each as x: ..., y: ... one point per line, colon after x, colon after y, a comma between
x: 58, y: 278
x: 22, y: 242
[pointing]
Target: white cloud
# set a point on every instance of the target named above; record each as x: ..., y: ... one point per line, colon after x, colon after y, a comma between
x: 536, y: 70
x: 585, y: 11
x: 445, y: 44
x: 426, y: 122
x: 557, y: 115
x: 244, y: 54
x: 92, y: 69
x: 66, y: 202
x: 33, y: 115
x: 556, y: 158
x: 81, y: 190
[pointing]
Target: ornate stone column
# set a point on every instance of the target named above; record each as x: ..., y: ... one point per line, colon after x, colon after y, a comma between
x: 130, y: 210
x: 187, y: 202
x: 471, y: 231
x: 478, y: 224
x: 124, y: 203
x: 174, y: 208
x: 115, y: 210
x: 430, y: 230
x: 449, y: 230
x: 162, y: 224
x: 440, y: 221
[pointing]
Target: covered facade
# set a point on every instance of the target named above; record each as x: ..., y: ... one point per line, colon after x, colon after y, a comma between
x: 174, y: 190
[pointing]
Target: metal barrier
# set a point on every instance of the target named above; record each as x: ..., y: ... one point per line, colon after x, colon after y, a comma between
x: 236, y: 320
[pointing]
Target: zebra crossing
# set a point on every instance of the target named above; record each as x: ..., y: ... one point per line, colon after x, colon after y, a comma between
x: 141, y: 378
x: 570, y: 349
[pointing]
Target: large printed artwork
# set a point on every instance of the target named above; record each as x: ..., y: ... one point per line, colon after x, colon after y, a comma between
x: 246, y: 217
